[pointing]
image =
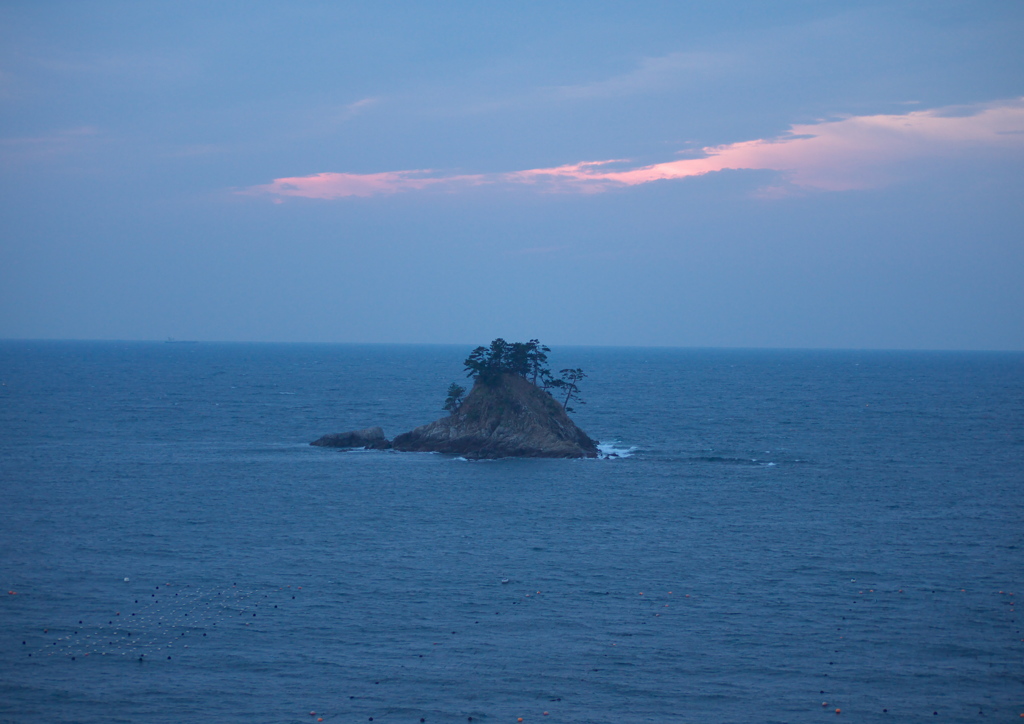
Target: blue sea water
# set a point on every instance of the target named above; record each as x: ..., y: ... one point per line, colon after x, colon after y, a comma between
x: 787, y: 533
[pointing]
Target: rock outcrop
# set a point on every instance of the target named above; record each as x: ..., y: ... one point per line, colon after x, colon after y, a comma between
x: 506, y: 417
x: 372, y: 438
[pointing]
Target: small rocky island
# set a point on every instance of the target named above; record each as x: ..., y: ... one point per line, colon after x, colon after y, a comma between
x: 515, y: 409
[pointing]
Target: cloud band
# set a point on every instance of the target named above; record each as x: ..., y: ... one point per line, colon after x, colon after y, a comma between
x: 834, y: 155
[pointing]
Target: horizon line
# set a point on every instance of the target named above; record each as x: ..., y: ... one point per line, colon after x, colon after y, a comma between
x: 737, y: 348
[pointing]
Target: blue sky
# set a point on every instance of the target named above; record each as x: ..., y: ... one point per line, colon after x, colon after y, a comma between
x: 785, y: 174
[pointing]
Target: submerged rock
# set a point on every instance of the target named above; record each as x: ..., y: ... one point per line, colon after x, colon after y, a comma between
x: 371, y: 438
x: 505, y: 417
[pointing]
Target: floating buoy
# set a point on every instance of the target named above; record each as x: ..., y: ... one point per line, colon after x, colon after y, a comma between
x: 839, y: 711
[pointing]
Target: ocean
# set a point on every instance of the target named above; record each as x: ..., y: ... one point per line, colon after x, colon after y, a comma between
x: 781, y: 536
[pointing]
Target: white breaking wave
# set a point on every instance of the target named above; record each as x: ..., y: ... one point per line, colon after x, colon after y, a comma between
x: 614, y: 449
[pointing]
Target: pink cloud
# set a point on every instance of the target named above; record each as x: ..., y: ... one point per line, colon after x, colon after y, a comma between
x: 836, y: 155
x: 848, y: 153
x: 338, y: 185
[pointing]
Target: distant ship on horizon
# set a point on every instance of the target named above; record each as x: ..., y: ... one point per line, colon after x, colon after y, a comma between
x: 172, y: 340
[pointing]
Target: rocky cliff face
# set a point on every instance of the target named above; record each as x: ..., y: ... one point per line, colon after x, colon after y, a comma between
x: 372, y: 438
x: 509, y: 417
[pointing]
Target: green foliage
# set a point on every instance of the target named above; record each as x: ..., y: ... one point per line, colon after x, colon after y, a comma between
x: 527, y: 360
x: 569, y: 383
x: 454, y: 399
x: 536, y: 358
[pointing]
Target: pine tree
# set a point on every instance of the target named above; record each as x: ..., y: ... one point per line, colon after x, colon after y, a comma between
x: 454, y: 400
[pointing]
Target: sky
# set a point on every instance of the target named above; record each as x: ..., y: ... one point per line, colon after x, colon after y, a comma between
x: 794, y: 174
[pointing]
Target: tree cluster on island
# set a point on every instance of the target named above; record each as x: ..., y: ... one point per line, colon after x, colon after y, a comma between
x: 512, y: 411
x: 525, y: 359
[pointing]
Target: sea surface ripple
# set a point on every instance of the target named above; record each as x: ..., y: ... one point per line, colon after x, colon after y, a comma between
x: 784, y: 534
